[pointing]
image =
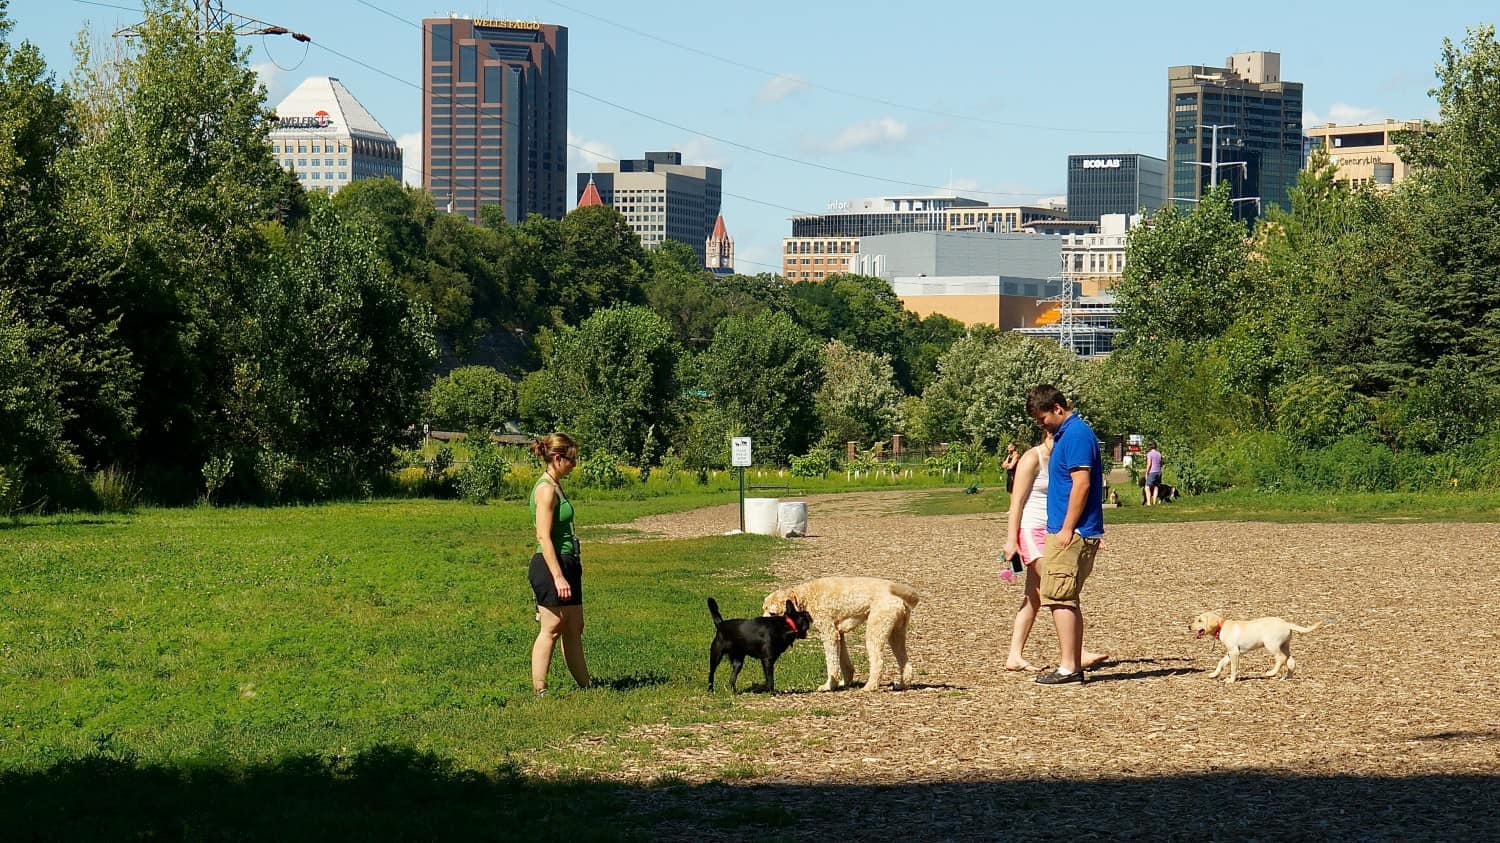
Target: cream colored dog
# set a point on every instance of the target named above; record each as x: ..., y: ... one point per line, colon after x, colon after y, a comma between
x: 838, y: 606
x: 1239, y: 637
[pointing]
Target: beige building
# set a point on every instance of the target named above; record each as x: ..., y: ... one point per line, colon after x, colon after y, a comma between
x: 1366, y: 153
x: 1097, y: 260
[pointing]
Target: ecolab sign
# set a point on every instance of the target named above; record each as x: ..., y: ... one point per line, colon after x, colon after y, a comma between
x: 321, y: 120
x: 1101, y: 163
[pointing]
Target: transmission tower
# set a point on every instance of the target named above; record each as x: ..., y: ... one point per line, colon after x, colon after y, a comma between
x: 212, y: 17
x: 1067, y: 314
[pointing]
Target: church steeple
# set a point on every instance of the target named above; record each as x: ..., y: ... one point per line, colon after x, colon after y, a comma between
x: 718, y: 250
x: 590, y: 195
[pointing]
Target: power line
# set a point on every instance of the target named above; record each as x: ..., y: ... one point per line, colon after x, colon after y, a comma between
x: 852, y: 94
x: 736, y: 144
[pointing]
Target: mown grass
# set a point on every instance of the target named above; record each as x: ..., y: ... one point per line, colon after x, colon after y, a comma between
x: 317, y: 656
x: 1283, y: 507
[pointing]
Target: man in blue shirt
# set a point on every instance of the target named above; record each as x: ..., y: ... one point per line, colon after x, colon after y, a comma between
x: 1075, y: 524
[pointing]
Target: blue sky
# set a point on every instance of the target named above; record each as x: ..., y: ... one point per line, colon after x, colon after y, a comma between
x: 987, y: 97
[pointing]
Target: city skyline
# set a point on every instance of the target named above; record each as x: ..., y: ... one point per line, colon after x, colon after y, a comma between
x: 805, y: 104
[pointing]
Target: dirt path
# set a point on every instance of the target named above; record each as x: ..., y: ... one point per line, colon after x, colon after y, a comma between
x: 1403, y: 687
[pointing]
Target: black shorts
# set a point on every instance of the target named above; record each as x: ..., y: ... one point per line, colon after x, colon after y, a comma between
x: 544, y: 589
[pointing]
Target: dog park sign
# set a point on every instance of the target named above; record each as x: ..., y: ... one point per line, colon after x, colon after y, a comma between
x: 739, y: 457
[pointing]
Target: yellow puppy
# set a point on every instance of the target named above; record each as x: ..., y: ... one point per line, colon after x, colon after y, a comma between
x: 840, y: 605
x: 1239, y: 637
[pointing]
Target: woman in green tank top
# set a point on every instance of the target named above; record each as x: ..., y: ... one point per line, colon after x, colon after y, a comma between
x: 556, y: 571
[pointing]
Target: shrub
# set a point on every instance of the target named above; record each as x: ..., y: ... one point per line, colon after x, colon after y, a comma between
x: 601, y: 470
x: 10, y: 490
x: 114, y: 490
x: 216, y: 472
x: 484, y: 477
x: 815, y: 463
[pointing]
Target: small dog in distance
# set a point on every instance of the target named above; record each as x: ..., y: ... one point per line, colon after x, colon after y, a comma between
x: 764, y: 638
x: 1241, y: 637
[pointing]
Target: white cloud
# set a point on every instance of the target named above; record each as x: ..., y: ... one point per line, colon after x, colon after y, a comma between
x: 1343, y: 114
x: 871, y: 134
x: 584, y: 155
x: 411, y: 158
x: 274, y: 79
x: 779, y: 89
x: 700, y: 151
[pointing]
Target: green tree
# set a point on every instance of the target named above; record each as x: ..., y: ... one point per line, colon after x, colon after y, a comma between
x: 601, y: 264
x: 172, y: 188
x: 471, y: 398
x: 858, y: 400
x: 761, y: 373
x: 611, y: 381
x: 331, y: 356
x: 1184, y: 274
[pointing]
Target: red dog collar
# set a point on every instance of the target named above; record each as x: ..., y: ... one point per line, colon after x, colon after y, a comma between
x: 791, y: 623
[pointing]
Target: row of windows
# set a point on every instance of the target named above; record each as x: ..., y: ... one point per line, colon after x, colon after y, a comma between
x: 302, y: 146
x: 837, y: 247
x: 302, y: 162
x: 839, y: 262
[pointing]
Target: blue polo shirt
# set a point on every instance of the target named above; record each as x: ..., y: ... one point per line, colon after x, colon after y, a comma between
x: 1075, y: 446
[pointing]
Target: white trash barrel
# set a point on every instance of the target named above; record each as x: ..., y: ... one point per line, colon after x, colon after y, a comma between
x: 760, y: 516
x: 791, y: 518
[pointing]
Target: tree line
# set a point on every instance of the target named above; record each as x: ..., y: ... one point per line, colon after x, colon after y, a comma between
x: 1347, y: 341
x: 176, y: 309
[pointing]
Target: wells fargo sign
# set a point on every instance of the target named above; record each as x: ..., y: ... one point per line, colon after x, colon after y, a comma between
x: 507, y: 24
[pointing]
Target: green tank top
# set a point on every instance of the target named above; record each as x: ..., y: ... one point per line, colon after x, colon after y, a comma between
x: 562, y: 521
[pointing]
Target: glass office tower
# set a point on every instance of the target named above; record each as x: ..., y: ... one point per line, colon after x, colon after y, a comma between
x: 1115, y: 184
x: 1261, y: 136
x: 495, y: 116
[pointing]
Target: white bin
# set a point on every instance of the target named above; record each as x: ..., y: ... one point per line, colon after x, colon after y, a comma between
x: 761, y: 515
x: 791, y: 519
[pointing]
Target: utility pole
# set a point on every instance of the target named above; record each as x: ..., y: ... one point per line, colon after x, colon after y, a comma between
x: 212, y: 17
x: 1213, y: 162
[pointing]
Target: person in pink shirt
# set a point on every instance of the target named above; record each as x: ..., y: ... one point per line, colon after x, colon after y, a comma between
x: 1153, y: 474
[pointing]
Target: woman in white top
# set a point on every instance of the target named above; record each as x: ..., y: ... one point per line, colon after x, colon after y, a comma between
x: 1026, y: 533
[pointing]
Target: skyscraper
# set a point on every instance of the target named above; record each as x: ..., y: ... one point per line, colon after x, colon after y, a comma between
x: 1260, y: 134
x: 495, y: 116
x: 661, y: 197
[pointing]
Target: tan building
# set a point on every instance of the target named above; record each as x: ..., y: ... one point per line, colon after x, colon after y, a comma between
x: 1366, y: 153
x: 815, y: 258
x: 997, y: 217
x: 1097, y: 260
x: 974, y: 299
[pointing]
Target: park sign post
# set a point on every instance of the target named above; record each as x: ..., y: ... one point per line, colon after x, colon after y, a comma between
x: 739, y: 457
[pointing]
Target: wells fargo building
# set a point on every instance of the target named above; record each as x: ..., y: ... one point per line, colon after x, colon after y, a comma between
x: 495, y: 116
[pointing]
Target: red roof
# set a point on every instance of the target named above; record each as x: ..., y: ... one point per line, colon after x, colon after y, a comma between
x: 590, y: 196
x: 720, y: 232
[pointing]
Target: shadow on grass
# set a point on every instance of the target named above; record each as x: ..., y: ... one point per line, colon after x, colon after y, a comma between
x: 394, y: 792
x: 629, y: 683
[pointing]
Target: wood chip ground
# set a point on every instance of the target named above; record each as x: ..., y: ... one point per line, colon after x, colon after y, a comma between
x: 1390, y: 730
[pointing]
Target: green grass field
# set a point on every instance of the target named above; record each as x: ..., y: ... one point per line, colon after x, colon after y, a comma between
x: 185, y: 666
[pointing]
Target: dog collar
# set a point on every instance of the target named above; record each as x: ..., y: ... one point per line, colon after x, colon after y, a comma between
x: 1220, y: 634
x: 790, y: 623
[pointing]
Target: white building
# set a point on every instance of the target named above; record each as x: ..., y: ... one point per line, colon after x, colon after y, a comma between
x: 328, y: 139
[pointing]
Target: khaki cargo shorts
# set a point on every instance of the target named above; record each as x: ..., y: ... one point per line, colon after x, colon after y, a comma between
x: 1064, y: 569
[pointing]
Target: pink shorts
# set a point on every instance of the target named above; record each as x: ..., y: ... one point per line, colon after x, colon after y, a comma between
x: 1033, y: 539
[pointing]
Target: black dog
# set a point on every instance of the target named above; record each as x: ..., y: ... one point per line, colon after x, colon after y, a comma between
x: 1164, y: 493
x: 761, y: 638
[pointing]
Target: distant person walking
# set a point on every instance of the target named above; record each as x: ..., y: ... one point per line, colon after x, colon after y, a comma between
x: 1153, y: 475
x: 1026, y: 534
x: 556, y: 571
x: 1075, y: 524
x: 1012, y: 459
